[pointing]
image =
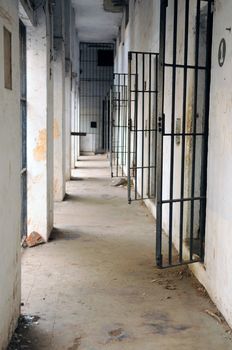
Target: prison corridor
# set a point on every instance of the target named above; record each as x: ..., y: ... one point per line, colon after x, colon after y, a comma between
x: 95, y: 286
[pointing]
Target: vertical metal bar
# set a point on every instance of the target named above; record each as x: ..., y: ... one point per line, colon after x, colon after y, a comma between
x: 185, y: 77
x: 203, y: 189
x: 136, y: 127
x: 155, y: 124
x: 172, y: 129
x: 129, y: 129
x: 143, y: 106
x: 111, y: 134
x: 149, y: 129
x: 118, y: 102
x: 103, y: 125
x: 159, y: 184
x: 194, y: 126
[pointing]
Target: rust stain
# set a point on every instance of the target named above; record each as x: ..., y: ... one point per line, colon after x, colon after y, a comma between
x: 41, y: 147
x: 56, y: 129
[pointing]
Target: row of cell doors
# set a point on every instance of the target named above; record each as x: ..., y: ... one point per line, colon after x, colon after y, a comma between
x: 159, y: 115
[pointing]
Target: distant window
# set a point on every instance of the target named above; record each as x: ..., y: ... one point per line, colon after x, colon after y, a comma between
x: 105, y: 58
x: 7, y: 58
x: 93, y: 125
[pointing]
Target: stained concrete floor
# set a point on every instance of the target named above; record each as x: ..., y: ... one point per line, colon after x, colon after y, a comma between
x: 94, y: 285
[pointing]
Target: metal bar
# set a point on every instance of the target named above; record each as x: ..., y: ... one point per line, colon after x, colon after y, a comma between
x: 183, y: 66
x: 111, y: 133
x: 183, y: 263
x: 194, y: 125
x: 143, y: 84
x: 160, y: 100
x: 144, y: 167
x: 155, y: 130
x: 149, y: 127
x: 183, y: 129
x: 74, y: 133
x: 175, y: 14
x: 203, y: 186
x: 144, y: 52
x: 136, y: 126
x: 129, y: 130
x: 141, y: 130
x: 118, y: 137
x: 184, y: 134
x: 145, y: 91
x: 180, y: 200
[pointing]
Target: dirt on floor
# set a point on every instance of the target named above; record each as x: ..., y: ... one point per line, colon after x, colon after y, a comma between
x: 95, y: 286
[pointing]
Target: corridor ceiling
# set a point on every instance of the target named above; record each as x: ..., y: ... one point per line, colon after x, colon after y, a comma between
x: 93, y: 23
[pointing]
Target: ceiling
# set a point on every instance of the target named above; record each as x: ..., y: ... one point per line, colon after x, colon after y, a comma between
x: 93, y: 23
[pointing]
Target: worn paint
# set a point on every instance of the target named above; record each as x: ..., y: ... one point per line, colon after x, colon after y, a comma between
x: 41, y: 146
x: 56, y: 129
x: 10, y: 205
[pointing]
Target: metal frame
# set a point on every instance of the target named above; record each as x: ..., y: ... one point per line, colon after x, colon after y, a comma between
x: 106, y: 124
x: 196, y: 197
x: 142, y: 124
x: 119, y: 104
x: 23, y: 115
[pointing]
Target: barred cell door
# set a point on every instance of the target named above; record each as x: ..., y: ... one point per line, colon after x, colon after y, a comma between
x: 142, y: 124
x: 183, y: 115
x: 119, y: 103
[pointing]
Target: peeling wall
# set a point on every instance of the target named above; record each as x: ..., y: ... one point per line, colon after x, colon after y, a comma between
x: 9, y: 180
x: 59, y: 102
x: 40, y: 126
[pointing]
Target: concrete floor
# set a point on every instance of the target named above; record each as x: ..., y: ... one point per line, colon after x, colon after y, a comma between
x: 94, y: 286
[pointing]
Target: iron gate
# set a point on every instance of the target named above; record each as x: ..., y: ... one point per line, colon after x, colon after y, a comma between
x: 96, y: 75
x: 142, y: 124
x: 184, y: 82
x: 119, y: 103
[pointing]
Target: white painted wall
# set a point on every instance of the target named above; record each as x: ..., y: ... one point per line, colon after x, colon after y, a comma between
x: 142, y: 33
x: 59, y: 124
x: 59, y: 103
x: 216, y: 274
x: 40, y: 127
x: 10, y: 143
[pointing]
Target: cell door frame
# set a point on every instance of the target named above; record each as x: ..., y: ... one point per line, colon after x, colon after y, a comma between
x: 161, y: 201
x: 23, y: 117
x: 119, y: 106
x: 142, y: 101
